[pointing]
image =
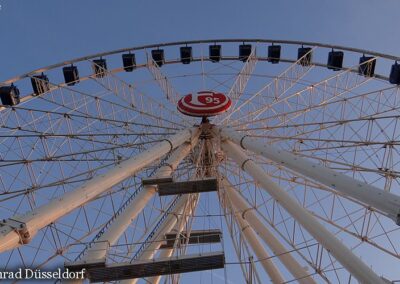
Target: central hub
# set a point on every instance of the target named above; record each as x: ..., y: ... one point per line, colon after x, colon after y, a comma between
x: 204, y: 104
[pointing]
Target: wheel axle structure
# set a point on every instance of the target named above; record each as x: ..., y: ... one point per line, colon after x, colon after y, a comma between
x: 184, y: 161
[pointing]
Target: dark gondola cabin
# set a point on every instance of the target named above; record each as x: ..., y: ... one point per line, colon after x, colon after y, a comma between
x: 99, y: 67
x: 367, y: 66
x: 394, y: 77
x: 129, y: 62
x: 186, y: 54
x: 9, y: 95
x: 158, y: 57
x: 244, y: 52
x: 335, y: 60
x: 40, y: 84
x: 215, y: 52
x: 304, y: 54
x: 71, y: 75
x: 274, y: 53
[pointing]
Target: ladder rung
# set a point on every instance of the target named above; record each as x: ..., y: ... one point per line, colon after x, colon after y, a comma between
x: 79, y: 265
x: 156, y: 181
x: 192, y: 186
x: 172, y: 265
x: 196, y: 237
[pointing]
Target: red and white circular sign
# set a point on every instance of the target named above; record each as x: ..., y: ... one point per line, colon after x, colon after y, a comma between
x: 204, y: 104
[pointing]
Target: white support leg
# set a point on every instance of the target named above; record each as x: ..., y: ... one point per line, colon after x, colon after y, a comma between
x: 386, y: 202
x: 178, y: 229
x: 11, y: 237
x: 258, y: 249
x: 167, y: 226
x: 120, y: 224
x: 278, y: 249
x: 334, y: 246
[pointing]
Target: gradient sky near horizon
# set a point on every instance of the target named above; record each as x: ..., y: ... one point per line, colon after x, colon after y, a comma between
x: 39, y: 33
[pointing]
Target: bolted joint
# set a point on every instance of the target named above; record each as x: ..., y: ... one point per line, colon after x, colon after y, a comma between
x: 168, y: 165
x: 244, y: 163
x: 246, y: 227
x: 170, y: 144
x: 241, y: 141
x: 7, y: 225
x: 244, y: 213
x: 218, y: 133
x: 193, y: 134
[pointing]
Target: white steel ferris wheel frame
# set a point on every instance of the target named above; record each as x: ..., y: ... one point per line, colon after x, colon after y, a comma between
x: 18, y: 230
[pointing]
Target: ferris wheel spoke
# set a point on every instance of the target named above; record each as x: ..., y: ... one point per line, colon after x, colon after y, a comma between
x: 294, y: 209
x: 240, y: 83
x: 42, y: 135
x: 352, y: 150
x: 275, y: 89
x: 56, y: 158
x: 70, y: 180
x: 352, y: 167
x: 69, y: 139
x: 109, y: 101
x: 336, y: 218
x: 375, y: 197
x: 120, y: 87
x: 120, y: 224
x: 61, y: 251
x: 341, y: 117
x: 250, y: 237
x: 74, y: 163
x: 52, y: 158
x: 326, y: 124
x: 218, y: 83
x: 79, y: 135
x: 170, y: 93
x: 292, y: 265
x: 336, y: 86
x: 39, y: 135
x: 142, y: 105
x: 330, y: 143
x: 368, y: 144
x: 241, y: 247
x: 286, y: 117
x: 276, y: 224
x: 82, y: 115
x: 98, y: 185
x: 301, y: 243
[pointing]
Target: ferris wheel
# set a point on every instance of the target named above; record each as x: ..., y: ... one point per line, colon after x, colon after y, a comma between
x: 209, y: 161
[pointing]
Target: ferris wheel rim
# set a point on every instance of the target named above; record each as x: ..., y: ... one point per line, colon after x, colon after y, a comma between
x: 206, y: 41
x: 54, y: 86
x: 198, y: 59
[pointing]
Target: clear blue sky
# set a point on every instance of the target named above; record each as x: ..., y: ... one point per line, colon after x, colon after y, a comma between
x: 41, y: 32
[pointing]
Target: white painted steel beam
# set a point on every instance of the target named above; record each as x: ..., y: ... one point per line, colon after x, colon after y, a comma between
x: 178, y: 229
x: 276, y: 88
x: 243, y: 77
x: 333, y: 245
x: 166, y: 227
x: 385, y: 202
x: 12, y: 236
x: 275, y: 245
x: 121, y: 223
x: 251, y: 238
x: 163, y: 82
x: 240, y: 83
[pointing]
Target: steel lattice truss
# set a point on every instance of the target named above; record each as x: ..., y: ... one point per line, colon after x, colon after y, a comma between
x: 55, y: 143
